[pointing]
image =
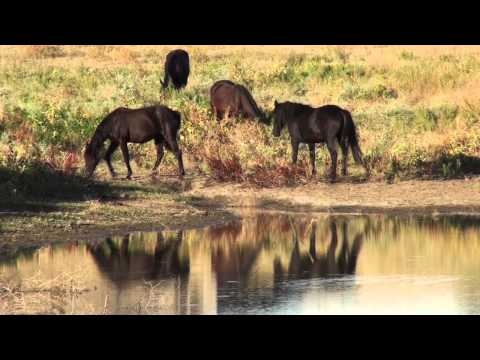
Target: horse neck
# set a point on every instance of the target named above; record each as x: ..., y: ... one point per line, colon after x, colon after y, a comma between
x: 261, y: 114
x: 254, y: 109
x: 295, y: 112
x: 97, y: 140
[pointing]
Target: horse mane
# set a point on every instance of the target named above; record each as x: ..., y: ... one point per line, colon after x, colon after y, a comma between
x: 94, y: 143
x: 295, y: 109
x: 253, y: 103
x: 219, y: 83
x: 99, y: 135
x: 298, y: 108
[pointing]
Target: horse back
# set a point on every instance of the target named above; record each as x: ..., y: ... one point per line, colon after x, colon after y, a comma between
x: 134, y: 125
x: 316, y: 124
x: 178, y: 62
x: 221, y: 86
x: 223, y: 95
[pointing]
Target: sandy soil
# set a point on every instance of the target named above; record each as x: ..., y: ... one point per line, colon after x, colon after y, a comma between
x: 453, y: 196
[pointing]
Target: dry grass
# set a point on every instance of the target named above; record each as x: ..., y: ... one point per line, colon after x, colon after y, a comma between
x: 34, y: 295
x: 417, y: 107
x: 36, y: 52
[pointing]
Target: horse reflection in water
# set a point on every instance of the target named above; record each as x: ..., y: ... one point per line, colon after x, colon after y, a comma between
x: 241, y: 252
x: 243, y: 258
x: 123, y: 266
x: 233, y: 259
x: 312, y: 264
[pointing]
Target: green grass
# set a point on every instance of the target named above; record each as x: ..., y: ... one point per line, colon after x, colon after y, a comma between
x: 413, y: 119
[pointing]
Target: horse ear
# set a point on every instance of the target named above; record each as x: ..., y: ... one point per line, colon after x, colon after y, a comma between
x: 276, y: 103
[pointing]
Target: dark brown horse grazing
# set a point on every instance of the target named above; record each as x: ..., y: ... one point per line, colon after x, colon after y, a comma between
x: 328, y: 124
x: 123, y: 126
x: 228, y: 98
x: 177, y: 69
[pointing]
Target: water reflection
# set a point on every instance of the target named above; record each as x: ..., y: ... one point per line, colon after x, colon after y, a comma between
x: 122, y: 264
x: 270, y: 264
x: 145, y: 258
x: 313, y: 264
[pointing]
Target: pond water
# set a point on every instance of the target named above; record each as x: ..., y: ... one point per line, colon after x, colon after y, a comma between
x: 264, y: 264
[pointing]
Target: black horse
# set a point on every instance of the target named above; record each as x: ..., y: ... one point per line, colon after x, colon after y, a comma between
x: 328, y: 124
x: 177, y: 69
x: 235, y: 100
x: 123, y: 126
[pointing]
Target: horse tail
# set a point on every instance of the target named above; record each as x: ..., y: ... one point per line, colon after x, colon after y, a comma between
x: 350, y: 133
x: 178, y: 124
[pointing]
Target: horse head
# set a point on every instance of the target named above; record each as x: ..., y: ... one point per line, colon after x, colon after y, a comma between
x: 278, y: 118
x: 91, y: 158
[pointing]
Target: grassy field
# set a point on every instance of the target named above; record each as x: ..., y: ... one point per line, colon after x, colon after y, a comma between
x: 416, y: 107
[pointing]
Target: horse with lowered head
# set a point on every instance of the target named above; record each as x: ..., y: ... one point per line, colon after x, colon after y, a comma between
x: 124, y: 125
x: 228, y: 98
x: 177, y: 69
x: 328, y: 124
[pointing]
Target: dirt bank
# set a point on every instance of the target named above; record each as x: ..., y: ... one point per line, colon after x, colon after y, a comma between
x: 199, y: 202
x: 453, y: 196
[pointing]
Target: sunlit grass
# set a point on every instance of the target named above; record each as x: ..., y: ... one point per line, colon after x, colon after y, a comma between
x: 416, y: 107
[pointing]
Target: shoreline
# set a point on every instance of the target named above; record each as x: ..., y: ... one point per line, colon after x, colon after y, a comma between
x: 206, y: 204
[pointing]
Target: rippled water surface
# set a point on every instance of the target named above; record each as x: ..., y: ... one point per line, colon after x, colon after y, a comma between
x: 265, y: 264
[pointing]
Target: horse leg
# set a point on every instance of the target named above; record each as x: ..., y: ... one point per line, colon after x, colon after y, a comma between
x: 332, y: 145
x: 311, y: 147
x: 126, y: 158
x: 214, y: 111
x: 295, y: 144
x: 313, y: 238
x: 332, y: 247
x: 108, y: 157
x: 227, y: 114
x: 344, y: 147
x: 178, y: 154
x: 219, y: 114
x: 124, y: 246
x: 159, y: 146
